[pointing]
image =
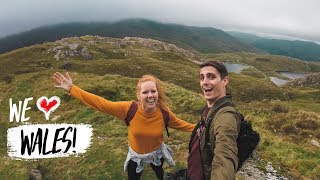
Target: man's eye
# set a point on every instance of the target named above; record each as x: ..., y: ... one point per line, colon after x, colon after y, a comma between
x: 144, y: 92
x: 211, y: 77
x: 201, y: 78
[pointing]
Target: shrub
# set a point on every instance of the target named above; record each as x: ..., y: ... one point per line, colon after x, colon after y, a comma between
x: 289, y: 129
x: 8, y: 78
x: 278, y: 108
x: 308, y: 123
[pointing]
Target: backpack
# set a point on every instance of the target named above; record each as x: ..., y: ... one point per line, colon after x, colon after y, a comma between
x: 247, y: 141
x: 133, y: 109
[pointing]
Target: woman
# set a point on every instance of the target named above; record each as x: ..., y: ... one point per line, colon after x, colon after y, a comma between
x: 145, y: 133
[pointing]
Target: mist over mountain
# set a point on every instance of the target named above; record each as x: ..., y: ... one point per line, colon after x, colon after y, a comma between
x: 202, y: 39
x: 304, y: 50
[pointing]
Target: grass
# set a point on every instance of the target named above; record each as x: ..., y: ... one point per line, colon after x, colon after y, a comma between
x: 106, y: 155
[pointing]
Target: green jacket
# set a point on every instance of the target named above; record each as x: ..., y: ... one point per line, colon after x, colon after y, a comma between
x: 224, y: 130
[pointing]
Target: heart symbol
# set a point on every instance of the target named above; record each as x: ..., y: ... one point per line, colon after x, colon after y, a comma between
x: 48, y: 105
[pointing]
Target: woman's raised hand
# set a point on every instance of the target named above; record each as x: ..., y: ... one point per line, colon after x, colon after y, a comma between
x: 64, y: 82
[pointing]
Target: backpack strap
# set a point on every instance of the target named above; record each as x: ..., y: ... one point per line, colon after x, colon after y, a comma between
x: 166, y: 119
x: 133, y: 109
x: 208, y: 123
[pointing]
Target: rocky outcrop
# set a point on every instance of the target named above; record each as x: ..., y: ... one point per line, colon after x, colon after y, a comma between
x: 160, y: 46
x: 129, y: 46
x: 311, y: 80
x: 66, y: 49
x: 250, y: 171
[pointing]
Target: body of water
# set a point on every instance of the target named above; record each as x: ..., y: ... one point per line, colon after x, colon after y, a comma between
x: 236, y: 68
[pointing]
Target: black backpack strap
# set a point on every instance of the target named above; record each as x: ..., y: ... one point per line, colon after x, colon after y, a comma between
x: 132, y: 111
x: 208, y: 124
x: 166, y: 119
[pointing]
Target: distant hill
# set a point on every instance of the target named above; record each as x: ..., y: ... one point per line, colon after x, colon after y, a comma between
x: 202, y: 39
x: 304, y: 50
x: 244, y: 37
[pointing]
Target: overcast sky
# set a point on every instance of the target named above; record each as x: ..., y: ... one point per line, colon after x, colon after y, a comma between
x: 297, y: 19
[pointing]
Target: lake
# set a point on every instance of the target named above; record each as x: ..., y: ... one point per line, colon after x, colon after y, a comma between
x: 236, y: 68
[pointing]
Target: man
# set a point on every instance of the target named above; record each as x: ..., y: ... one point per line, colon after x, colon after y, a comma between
x: 218, y: 160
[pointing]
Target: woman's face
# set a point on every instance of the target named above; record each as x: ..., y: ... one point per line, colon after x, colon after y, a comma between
x: 148, y: 96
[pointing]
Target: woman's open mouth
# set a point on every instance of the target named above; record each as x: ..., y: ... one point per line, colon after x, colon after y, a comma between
x: 152, y: 100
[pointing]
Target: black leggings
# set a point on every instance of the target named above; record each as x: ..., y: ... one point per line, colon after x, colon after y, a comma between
x: 132, y: 175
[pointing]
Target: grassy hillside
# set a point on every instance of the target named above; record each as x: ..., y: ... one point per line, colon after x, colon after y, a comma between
x: 287, y: 118
x: 200, y: 39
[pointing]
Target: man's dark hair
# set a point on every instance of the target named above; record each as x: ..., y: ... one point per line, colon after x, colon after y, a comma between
x: 219, y: 66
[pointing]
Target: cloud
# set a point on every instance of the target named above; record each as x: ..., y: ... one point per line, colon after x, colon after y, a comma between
x: 298, y: 18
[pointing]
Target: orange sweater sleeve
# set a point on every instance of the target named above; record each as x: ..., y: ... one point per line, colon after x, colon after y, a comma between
x: 179, y: 124
x: 118, y: 109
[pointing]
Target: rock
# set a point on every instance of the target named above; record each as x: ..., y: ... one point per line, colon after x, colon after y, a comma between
x: 73, y: 46
x: 122, y: 45
x: 249, y: 170
x: 57, y: 55
x: 58, y: 48
x: 85, y: 53
x: 315, y: 143
x: 55, y: 118
x: 36, y: 174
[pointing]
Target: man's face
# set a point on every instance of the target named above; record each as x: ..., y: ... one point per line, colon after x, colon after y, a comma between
x: 212, y: 86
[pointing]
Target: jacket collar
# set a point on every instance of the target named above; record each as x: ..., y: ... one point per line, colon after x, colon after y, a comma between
x: 219, y: 102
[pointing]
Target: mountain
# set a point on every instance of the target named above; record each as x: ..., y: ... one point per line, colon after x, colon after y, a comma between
x: 202, y: 39
x: 244, y: 37
x: 304, y: 50
x: 286, y: 118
